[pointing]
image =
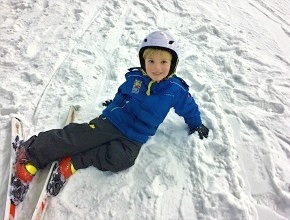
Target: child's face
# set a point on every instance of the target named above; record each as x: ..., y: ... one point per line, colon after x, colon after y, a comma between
x: 157, y: 66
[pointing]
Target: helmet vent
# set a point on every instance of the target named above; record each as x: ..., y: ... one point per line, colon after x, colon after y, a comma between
x: 145, y: 40
x: 171, y: 42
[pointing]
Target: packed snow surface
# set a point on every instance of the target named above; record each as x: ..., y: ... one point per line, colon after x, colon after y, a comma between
x: 234, y: 55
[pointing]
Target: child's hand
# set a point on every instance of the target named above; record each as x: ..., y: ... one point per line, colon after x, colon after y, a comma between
x: 202, y: 131
x: 107, y: 102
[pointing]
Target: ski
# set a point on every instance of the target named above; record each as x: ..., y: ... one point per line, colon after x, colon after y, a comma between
x: 16, y: 190
x: 53, y: 182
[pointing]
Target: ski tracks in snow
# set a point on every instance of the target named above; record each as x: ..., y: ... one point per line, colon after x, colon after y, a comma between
x: 219, y: 86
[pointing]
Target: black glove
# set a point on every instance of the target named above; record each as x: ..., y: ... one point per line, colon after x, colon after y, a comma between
x: 107, y: 102
x: 202, y: 131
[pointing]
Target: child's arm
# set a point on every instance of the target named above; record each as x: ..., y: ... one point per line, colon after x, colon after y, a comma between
x: 188, y: 109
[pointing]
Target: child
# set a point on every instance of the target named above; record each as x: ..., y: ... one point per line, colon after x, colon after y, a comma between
x: 111, y: 142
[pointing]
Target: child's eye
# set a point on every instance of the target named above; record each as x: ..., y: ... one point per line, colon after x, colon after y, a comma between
x: 150, y: 61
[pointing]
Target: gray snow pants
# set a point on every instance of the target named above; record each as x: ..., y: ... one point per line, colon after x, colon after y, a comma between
x: 98, y: 143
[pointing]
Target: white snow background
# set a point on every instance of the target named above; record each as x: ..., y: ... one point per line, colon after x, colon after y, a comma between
x: 234, y: 55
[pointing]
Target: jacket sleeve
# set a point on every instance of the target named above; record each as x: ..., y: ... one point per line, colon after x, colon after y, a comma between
x: 119, y: 96
x: 187, y: 108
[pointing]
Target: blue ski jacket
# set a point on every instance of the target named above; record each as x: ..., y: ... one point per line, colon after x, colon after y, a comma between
x: 141, y: 105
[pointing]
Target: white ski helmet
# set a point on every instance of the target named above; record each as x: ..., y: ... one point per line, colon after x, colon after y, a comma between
x: 160, y: 40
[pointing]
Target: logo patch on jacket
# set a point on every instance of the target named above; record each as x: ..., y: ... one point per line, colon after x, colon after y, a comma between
x: 136, y: 86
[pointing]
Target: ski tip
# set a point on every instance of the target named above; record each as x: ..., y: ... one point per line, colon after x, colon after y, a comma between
x: 16, y: 118
x: 76, y: 107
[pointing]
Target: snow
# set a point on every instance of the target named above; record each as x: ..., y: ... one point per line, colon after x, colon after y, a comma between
x: 234, y: 55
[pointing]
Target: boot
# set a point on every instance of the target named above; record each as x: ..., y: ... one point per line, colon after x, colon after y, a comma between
x: 66, y: 167
x: 25, y: 171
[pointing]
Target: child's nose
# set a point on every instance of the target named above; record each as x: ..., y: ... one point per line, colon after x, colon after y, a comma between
x: 157, y: 66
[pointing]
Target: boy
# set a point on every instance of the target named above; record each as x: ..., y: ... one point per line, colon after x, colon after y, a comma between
x: 111, y: 142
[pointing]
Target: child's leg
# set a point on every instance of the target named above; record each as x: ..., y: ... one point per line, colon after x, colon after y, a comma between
x: 113, y: 156
x: 71, y: 140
